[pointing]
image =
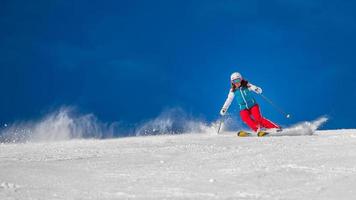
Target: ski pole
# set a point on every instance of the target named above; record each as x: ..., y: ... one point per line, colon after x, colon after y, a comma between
x: 220, y: 123
x: 275, y: 106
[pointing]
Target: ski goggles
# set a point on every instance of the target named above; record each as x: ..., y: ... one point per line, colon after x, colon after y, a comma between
x: 236, y: 80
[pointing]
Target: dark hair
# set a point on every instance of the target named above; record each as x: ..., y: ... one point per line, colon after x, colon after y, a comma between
x: 243, y: 84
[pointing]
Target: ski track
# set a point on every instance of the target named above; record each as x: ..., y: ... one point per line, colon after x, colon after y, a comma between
x: 188, y: 166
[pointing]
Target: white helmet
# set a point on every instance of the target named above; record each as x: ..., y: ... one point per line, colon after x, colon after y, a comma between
x: 235, y: 75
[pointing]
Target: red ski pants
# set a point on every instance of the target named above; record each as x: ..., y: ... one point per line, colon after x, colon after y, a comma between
x: 257, y: 121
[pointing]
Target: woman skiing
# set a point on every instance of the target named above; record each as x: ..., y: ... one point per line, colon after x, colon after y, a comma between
x: 241, y: 89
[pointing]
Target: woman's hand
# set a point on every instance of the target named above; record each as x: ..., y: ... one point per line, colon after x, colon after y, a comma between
x: 222, y: 111
x: 258, y: 90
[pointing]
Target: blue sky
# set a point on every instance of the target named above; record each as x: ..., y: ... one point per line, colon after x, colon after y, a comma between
x: 129, y: 60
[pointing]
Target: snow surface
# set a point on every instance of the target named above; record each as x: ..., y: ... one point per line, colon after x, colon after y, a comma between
x: 187, y: 166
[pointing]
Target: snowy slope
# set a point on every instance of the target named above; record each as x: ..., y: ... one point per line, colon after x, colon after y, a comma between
x: 188, y: 166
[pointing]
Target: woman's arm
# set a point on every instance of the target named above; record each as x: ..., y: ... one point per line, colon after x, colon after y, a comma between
x: 228, y: 102
x: 254, y: 88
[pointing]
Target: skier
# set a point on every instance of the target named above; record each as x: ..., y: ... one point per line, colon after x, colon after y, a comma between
x: 241, y: 89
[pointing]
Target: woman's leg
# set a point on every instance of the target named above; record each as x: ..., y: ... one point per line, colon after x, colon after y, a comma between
x: 263, y: 122
x: 245, y: 116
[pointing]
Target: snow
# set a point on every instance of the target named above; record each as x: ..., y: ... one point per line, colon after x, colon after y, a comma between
x: 187, y: 166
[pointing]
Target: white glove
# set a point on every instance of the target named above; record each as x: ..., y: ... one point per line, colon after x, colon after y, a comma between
x: 222, y: 111
x: 256, y: 89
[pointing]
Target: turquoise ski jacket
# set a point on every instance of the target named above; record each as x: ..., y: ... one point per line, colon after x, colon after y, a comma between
x: 244, y: 98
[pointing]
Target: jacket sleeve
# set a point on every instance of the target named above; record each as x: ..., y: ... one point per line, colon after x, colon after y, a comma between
x: 229, y: 100
x: 251, y: 87
x: 255, y: 89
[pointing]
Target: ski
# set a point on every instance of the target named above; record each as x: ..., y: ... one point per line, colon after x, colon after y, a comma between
x: 243, y: 134
x: 262, y: 133
x: 248, y: 134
